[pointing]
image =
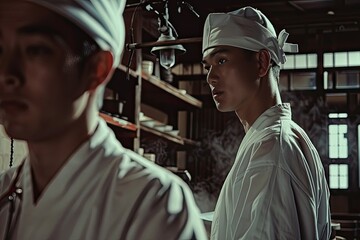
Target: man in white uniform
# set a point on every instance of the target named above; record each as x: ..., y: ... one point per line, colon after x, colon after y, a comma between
x: 276, y: 188
x: 77, y: 181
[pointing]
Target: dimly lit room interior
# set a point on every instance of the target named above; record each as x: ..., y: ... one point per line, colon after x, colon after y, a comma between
x: 159, y: 104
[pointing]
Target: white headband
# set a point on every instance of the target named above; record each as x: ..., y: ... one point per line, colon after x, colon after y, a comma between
x: 246, y: 28
x: 102, y: 20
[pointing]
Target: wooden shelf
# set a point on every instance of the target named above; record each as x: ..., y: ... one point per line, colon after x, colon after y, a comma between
x: 119, y: 123
x: 147, y: 131
x: 162, y: 95
x: 182, y: 143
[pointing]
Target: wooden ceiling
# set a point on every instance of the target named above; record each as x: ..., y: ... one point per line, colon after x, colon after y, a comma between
x: 301, y: 18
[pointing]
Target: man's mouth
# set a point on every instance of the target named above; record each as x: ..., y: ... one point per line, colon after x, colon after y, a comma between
x: 12, y: 106
x: 217, y: 93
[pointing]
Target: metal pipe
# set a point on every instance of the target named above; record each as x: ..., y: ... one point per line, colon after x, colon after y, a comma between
x: 132, y: 46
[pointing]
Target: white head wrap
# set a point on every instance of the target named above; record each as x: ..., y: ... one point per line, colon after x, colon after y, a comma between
x: 102, y: 20
x: 246, y: 28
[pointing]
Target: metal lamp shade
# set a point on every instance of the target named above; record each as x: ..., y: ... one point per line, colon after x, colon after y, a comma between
x: 179, y: 49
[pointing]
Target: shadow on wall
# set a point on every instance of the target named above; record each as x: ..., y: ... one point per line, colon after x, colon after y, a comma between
x: 311, y: 113
x: 213, y: 161
x: 161, y: 150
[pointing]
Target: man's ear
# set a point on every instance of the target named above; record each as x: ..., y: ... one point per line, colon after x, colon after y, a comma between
x: 98, y: 69
x: 264, y: 62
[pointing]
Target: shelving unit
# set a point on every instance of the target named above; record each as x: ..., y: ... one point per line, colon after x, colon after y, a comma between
x: 150, y: 132
x: 163, y: 96
x: 119, y: 123
x: 137, y: 88
x: 180, y: 142
x: 125, y: 131
x: 156, y: 91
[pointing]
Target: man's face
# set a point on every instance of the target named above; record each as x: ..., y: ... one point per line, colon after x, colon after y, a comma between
x: 232, y: 77
x: 40, y: 87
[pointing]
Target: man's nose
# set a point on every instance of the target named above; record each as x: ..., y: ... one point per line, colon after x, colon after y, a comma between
x: 211, y: 76
x: 10, y: 74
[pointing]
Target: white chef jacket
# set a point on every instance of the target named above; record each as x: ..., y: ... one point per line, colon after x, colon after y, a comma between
x: 104, y: 192
x: 276, y: 188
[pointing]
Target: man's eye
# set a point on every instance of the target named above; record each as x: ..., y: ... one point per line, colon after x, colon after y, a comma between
x: 207, y: 68
x: 38, y: 50
x: 222, y: 61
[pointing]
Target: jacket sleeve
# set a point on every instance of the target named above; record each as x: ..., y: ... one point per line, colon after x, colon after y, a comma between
x: 265, y: 209
x: 273, y: 203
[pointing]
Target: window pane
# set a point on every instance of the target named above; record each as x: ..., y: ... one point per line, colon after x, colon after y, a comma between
x: 338, y: 115
x: 343, y: 152
x: 343, y: 128
x: 338, y: 176
x: 334, y: 169
x: 312, y: 60
x: 333, y: 152
x: 303, y: 81
x: 354, y: 58
x: 343, y: 115
x: 341, y: 59
x: 333, y: 140
x: 333, y: 129
x: 334, y: 182
x: 338, y: 142
x: 289, y: 64
x: 343, y: 182
x: 343, y: 169
x: 333, y: 115
x: 336, y: 99
x: 330, y: 84
x: 343, y: 142
x: 347, y: 79
x: 300, y: 61
x: 328, y: 60
x: 328, y: 80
